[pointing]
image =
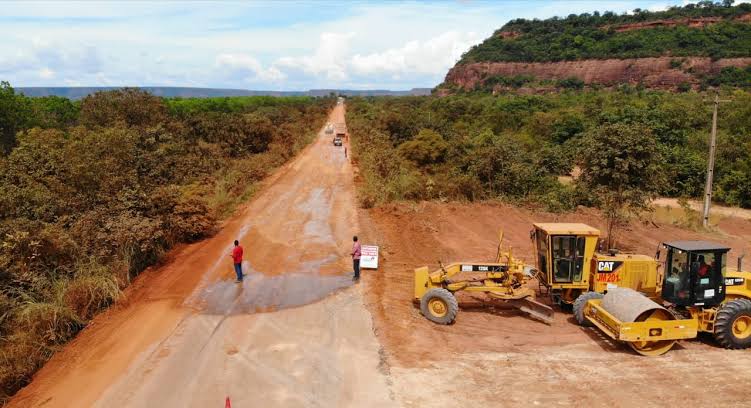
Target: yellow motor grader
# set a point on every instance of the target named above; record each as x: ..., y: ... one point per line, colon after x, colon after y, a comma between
x: 505, y: 280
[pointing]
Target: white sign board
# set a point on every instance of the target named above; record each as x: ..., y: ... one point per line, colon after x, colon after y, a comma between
x: 369, y: 257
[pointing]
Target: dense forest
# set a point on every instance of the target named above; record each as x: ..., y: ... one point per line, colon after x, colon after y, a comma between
x: 594, y: 36
x: 94, y: 191
x: 513, y: 147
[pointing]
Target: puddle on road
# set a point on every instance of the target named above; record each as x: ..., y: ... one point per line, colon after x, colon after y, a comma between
x: 261, y: 293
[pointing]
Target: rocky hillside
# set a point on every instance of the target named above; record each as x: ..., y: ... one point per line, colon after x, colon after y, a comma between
x: 698, y: 45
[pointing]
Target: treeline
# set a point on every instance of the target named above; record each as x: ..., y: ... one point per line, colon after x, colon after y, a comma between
x: 514, y: 147
x: 593, y: 36
x: 93, y: 192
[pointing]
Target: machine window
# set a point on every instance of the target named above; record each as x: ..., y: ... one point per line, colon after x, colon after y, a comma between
x: 542, y: 254
x: 568, y: 258
x: 678, y: 277
x: 579, y: 258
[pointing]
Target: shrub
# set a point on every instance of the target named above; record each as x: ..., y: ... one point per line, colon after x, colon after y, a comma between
x: 426, y: 148
x: 571, y: 83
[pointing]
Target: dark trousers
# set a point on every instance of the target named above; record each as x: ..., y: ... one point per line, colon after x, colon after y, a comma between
x: 239, y: 271
x: 356, y: 268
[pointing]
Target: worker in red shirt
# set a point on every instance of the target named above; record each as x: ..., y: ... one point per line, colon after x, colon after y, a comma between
x: 237, y: 259
x: 703, y: 267
x: 356, y: 253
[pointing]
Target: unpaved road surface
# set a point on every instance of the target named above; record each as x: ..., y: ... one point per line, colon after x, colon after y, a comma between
x: 494, y: 356
x: 188, y: 336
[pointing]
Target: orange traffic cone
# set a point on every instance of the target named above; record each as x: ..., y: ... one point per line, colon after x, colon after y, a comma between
x: 227, y: 404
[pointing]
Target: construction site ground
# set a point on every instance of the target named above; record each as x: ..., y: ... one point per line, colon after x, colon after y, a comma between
x: 299, y: 333
x: 496, y: 356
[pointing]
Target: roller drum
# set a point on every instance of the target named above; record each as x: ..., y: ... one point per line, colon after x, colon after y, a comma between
x: 629, y: 305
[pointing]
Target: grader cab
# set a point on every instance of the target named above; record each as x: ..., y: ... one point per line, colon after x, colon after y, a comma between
x: 570, y: 264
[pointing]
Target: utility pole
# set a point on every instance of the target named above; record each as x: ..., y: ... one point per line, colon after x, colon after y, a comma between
x: 710, y: 162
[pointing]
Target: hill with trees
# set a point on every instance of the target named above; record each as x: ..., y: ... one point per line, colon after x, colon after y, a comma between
x: 694, y: 46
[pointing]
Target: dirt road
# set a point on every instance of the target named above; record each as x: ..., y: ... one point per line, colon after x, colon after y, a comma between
x: 188, y: 336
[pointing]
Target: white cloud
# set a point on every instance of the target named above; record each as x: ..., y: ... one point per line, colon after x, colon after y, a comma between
x: 434, y: 56
x: 46, y: 73
x: 248, y: 68
x: 329, y: 58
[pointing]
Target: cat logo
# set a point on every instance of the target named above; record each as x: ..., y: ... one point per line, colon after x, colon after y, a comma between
x: 733, y: 281
x: 608, y: 266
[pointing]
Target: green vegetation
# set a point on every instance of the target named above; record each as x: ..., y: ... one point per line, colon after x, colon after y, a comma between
x: 513, y: 147
x: 592, y: 36
x: 93, y: 192
x: 732, y: 77
x: 621, y: 171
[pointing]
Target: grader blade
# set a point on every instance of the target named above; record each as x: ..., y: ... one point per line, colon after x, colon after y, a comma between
x: 537, y: 310
x: 533, y: 308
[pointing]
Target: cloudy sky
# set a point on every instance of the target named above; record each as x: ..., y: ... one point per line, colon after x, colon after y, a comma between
x: 281, y: 45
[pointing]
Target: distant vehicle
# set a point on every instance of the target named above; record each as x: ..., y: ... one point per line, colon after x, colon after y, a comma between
x: 329, y: 128
x: 337, y: 141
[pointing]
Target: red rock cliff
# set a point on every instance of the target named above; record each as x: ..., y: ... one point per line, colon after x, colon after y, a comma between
x: 651, y: 72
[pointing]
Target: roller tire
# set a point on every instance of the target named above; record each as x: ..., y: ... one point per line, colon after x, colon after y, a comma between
x: 726, y: 317
x: 579, y: 304
x: 443, y: 300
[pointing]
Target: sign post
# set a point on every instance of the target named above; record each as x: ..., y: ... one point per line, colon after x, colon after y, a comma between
x: 369, y: 257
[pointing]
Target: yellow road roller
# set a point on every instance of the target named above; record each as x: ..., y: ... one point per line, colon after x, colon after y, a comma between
x: 695, y: 293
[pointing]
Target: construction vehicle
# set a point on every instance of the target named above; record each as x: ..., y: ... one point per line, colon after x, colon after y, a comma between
x: 569, y: 263
x: 696, y: 294
x: 625, y: 295
x: 505, y: 280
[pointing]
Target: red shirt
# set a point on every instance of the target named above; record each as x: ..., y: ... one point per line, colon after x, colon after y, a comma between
x: 703, y: 270
x: 356, y: 251
x: 237, y: 254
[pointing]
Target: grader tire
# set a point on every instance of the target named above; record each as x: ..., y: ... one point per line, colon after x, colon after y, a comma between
x: 579, y: 304
x: 439, y: 306
x: 732, y: 327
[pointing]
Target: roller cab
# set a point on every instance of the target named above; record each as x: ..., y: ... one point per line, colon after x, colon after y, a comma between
x: 694, y: 273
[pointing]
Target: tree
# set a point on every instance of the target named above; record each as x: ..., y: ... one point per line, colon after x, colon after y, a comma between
x: 14, y: 116
x: 426, y: 148
x: 131, y: 106
x: 621, y: 169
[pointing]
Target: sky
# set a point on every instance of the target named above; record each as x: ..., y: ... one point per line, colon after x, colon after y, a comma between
x: 280, y: 45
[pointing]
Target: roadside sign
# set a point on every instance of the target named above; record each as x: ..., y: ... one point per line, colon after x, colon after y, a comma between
x: 369, y: 257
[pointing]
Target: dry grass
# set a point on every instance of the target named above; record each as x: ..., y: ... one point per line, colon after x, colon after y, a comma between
x: 684, y: 217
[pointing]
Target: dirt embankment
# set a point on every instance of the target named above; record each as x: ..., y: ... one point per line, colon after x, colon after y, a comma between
x: 491, y: 345
x: 651, y: 72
